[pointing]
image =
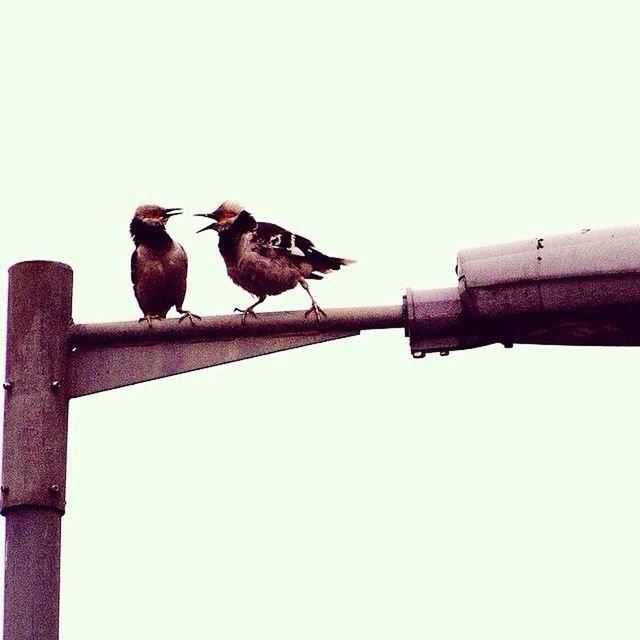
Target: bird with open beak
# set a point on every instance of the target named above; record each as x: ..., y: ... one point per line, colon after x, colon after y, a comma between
x: 158, y: 264
x: 265, y: 259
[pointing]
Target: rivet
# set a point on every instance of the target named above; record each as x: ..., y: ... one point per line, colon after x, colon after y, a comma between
x: 418, y: 354
x: 4, y: 488
x: 56, y: 384
x: 444, y: 353
x: 7, y: 386
x: 54, y: 488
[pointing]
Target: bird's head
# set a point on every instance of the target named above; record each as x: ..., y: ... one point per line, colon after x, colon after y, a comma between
x: 155, y: 216
x: 223, y: 217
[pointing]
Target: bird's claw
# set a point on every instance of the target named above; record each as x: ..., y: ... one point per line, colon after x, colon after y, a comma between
x: 188, y: 314
x: 317, y: 310
x: 245, y: 313
x: 149, y: 318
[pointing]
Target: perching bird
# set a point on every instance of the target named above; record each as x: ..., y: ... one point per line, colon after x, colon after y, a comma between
x: 158, y: 264
x: 265, y: 259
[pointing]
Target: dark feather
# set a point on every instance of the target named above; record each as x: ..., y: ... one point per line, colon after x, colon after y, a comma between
x: 228, y: 239
x: 158, y: 269
x: 134, y: 267
x: 273, y: 237
x: 151, y: 235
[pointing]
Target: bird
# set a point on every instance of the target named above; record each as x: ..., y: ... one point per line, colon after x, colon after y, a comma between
x: 158, y: 264
x: 265, y: 259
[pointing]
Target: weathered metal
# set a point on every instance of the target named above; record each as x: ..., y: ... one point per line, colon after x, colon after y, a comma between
x: 435, y: 322
x: 107, y: 356
x: 584, y: 270
x: 100, y: 368
x: 32, y: 574
x: 35, y: 445
x: 213, y: 328
x: 438, y: 321
x: 36, y: 405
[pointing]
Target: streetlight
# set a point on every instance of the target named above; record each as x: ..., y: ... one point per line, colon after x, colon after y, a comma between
x: 576, y: 289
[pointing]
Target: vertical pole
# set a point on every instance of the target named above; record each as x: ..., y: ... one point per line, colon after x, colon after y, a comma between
x: 35, y: 446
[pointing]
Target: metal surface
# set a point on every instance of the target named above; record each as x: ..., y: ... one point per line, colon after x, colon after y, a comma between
x: 107, y: 356
x: 224, y: 327
x: 32, y: 574
x: 573, y: 289
x: 100, y: 368
x: 436, y: 323
x: 615, y: 326
x: 35, y: 445
x: 585, y: 270
x: 584, y: 252
x: 36, y: 405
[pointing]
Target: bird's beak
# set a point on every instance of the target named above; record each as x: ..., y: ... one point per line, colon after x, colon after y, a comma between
x: 213, y: 225
x: 174, y: 211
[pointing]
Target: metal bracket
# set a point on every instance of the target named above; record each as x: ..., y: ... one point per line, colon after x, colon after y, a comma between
x: 96, y: 368
x: 435, y: 322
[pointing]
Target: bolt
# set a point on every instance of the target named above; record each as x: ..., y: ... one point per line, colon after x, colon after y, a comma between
x: 4, y: 488
x: 7, y: 386
x: 54, y: 488
x: 56, y: 384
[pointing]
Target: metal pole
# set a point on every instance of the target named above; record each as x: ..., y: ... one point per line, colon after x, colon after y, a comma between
x: 35, y: 446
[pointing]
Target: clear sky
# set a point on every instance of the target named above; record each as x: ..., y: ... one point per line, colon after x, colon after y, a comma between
x: 342, y: 490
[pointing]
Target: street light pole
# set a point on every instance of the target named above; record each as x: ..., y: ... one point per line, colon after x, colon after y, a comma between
x: 580, y: 289
x: 35, y: 446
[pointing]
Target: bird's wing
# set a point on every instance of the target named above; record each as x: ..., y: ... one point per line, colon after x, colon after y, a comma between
x: 271, y: 236
x: 134, y: 267
x: 179, y: 266
x: 186, y: 259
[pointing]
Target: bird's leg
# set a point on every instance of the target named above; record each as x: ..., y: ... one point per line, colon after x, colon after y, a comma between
x: 187, y: 314
x: 314, y: 305
x: 250, y: 310
x: 149, y: 317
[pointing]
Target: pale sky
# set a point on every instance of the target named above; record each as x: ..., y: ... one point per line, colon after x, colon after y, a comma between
x: 342, y: 490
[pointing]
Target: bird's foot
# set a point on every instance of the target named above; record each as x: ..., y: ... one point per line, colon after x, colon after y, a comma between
x: 315, y: 309
x: 188, y: 314
x: 246, y: 312
x: 149, y: 317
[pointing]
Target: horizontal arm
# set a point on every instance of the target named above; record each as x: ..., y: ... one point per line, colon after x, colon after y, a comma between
x: 225, y: 327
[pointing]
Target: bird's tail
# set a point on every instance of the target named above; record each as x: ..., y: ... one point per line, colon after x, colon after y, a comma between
x: 324, y: 264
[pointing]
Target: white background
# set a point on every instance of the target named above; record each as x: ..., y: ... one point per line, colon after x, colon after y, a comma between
x: 342, y: 490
